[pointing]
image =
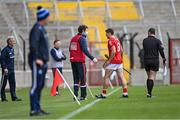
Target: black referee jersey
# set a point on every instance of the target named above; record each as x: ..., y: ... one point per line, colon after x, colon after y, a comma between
x: 152, y: 47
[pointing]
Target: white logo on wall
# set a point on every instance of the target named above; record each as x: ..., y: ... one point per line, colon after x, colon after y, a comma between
x: 177, y: 54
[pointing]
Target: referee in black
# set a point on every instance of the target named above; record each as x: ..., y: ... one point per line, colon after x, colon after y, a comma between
x: 38, y: 58
x: 152, y: 47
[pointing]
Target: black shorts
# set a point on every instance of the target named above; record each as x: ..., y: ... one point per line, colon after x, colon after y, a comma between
x: 151, y: 64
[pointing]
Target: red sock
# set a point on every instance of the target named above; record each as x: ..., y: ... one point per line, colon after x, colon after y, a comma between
x: 125, y: 90
x: 104, y: 91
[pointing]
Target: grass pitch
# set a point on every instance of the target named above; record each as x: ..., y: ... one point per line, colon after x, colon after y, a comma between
x: 165, y: 105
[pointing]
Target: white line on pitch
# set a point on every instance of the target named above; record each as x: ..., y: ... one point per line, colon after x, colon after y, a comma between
x: 72, y: 114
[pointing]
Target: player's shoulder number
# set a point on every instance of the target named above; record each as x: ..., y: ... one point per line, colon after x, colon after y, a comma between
x: 118, y: 46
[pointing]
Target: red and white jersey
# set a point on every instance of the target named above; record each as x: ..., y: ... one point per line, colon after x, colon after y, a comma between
x: 113, y: 41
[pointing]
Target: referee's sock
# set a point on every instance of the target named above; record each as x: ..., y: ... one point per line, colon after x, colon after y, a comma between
x: 150, y: 85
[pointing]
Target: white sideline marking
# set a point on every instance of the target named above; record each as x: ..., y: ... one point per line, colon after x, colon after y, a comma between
x: 72, y: 114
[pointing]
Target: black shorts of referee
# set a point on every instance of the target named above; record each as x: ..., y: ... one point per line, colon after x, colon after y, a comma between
x: 151, y: 64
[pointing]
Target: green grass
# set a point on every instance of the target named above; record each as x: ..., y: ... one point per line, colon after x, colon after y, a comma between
x: 166, y: 104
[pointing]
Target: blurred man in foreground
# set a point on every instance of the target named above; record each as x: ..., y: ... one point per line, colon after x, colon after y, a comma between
x: 38, y: 58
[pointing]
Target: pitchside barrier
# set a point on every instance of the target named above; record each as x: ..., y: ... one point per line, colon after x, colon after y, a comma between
x: 95, y: 71
x: 174, y: 60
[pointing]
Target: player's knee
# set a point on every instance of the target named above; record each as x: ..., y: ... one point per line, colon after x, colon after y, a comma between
x: 151, y: 77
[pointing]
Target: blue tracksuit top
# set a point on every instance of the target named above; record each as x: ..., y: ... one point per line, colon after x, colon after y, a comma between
x: 39, y: 43
x: 84, y: 47
x: 7, y: 58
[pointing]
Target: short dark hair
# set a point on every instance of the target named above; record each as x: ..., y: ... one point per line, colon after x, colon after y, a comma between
x: 151, y: 31
x: 82, y: 28
x: 55, y: 41
x: 110, y: 30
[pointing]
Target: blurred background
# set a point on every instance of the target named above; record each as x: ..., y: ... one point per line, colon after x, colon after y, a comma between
x: 130, y: 19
